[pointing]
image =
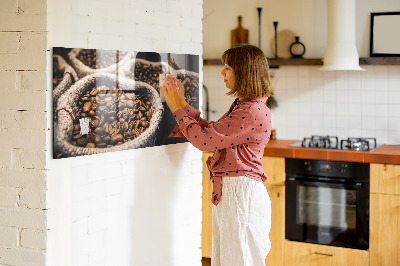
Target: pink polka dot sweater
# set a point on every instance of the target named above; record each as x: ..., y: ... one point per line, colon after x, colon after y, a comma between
x: 238, y: 139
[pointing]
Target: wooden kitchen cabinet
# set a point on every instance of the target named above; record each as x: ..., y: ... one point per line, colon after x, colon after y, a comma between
x: 274, y: 168
x: 385, y: 178
x: 206, y: 232
x: 277, y: 233
x: 384, y: 236
x: 305, y: 254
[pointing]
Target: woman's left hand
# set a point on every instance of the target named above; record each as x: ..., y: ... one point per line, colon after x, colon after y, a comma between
x: 171, y: 95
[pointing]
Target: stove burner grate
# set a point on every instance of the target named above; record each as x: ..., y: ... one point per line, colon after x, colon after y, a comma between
x: 358, y: 144
x: 327, y: 142
x: 332, y: 142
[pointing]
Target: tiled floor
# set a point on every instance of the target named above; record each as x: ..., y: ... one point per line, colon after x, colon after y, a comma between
x: 206, y: 261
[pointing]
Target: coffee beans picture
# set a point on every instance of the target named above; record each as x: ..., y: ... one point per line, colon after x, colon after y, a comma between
x: 109, y: 100
x: 115, y: 117
x: 96, y: 59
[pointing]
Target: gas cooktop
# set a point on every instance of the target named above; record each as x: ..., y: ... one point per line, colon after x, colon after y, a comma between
x: 332, y: 142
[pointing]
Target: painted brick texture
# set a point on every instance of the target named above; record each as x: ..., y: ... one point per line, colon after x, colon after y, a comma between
x: 23, y: 132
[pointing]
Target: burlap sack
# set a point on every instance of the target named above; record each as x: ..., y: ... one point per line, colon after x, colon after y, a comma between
x: 69, y: 77
x: 84, y: 70
x: 67, y: 107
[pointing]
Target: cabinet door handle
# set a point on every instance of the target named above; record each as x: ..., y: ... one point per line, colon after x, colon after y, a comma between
x: 325, y: 254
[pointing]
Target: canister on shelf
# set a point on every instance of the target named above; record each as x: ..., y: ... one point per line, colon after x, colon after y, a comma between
x: 273, y: 134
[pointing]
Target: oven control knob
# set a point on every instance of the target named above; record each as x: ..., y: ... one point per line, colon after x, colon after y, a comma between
x: 343, y: 168
x: 308, y: 166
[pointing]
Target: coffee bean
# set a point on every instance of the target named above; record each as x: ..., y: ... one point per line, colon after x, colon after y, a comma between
x: 99, y: 131
x: 102, y: 145
x: 90, y: 145
x: 97, y: 138
x: 144, y: 123
x: 107, y: 139
x: 77, y: 136
x: 94, y: 123
x: 116, y: 138
x: 111, y: 118
x: 87, y: 107
x: 82, y: 142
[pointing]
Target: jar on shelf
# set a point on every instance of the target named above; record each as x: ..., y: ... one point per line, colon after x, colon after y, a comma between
x: 297, y: 49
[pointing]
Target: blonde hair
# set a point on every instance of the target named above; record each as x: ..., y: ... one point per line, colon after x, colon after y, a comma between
x: 250, y: 66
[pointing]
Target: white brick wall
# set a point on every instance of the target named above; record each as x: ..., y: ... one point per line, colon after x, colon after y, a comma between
x: 9, y: 237
x: 23, y: 132
x: 23, y: 178
x: 33, y: 239
x: 22, y: 256
x: 137, y: 207
x: 23, y: 218
x: 33, y: 198
x: 8, y: 197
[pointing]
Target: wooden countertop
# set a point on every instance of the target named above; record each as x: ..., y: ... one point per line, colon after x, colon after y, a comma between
x: 389, y: 154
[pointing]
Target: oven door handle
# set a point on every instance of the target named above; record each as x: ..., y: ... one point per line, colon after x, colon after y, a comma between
x: 357, y: 185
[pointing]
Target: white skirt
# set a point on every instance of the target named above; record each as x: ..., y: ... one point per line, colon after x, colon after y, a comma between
x: 241, y: 223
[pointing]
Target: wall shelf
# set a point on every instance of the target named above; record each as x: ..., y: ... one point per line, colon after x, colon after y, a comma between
x: 274, y: 63
x: 380, y: 61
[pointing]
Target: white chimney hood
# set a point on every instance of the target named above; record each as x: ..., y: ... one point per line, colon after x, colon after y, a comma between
x: 341, y: 51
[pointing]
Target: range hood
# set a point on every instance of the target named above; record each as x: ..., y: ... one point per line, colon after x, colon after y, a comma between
x: 341, y: 51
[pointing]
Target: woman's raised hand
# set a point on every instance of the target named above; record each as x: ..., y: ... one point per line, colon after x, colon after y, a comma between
x: 174, y: 93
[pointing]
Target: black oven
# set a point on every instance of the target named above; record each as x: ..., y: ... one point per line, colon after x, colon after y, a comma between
x: 327, y: 202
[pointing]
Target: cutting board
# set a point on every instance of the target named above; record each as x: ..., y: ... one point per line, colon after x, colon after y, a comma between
x: 285, y: 39
x: 239, y: 35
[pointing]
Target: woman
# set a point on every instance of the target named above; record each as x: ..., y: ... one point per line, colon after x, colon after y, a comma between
x: 242, y: 208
